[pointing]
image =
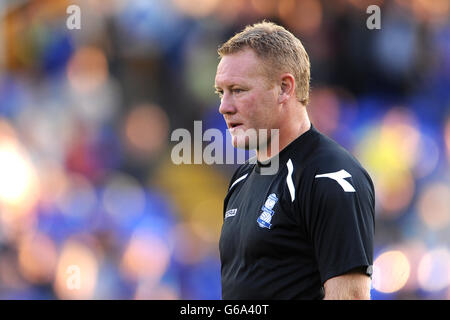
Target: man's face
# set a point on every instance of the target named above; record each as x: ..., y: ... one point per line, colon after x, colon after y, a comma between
x: 248, y: 98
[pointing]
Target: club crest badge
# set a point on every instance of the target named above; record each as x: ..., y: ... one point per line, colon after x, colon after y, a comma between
x: 230, y: 213
x: 265, y: 218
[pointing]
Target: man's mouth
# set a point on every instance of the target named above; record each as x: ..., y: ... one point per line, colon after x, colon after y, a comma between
x: 234, y: 126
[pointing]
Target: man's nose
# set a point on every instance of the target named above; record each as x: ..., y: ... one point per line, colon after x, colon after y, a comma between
x: 226, y: 105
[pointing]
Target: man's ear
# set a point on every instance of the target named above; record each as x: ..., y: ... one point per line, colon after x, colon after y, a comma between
x: 287, y: 87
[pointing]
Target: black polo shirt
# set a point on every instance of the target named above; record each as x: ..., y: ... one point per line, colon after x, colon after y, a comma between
x: 285, y: 234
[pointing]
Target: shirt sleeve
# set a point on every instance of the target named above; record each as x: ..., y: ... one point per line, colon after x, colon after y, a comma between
x: 341, y: 220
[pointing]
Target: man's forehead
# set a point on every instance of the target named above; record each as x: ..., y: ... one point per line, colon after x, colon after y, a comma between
x: 239, y: 66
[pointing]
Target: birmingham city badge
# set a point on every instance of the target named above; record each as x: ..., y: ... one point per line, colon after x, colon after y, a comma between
x: 265, y: 217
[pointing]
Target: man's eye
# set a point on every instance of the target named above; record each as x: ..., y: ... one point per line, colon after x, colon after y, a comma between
x: 219, y: 93
x: 236, y: 90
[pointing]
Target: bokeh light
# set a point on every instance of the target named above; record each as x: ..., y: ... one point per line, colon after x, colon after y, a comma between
x: 391, y: 271
x: 76, y: 272
x: 301, y: 16
x: 55, y: 182
x: 19, y: 184
x: 87, y: 69
x: 413, y: 250
x: 79, y: 198
x: 146, y: 129
x: 390, y: 158
x: 190, y: 245
x: 427, y: 157
x: 434, y: 270
x: 146, y: 257
x: 434, y: 205
x: 399, y: 123
x: 37, y: 258
x: 16, y: 173
x: 123, y: 197
x: 436, y: 11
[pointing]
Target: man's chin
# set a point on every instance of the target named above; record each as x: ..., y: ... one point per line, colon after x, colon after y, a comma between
x: 244, y: 142
x: 241, y: 145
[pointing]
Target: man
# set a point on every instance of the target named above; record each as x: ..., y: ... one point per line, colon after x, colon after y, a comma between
x: 305, y: 232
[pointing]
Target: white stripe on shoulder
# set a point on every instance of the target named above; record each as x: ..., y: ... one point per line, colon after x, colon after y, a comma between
x: 253, y: 160
x: 289, y: 181
x: 239, y: 180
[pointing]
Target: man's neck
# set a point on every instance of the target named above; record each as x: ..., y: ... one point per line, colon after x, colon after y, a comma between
x: 284, y: 137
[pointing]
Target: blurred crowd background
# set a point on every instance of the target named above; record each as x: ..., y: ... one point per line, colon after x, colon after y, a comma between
x: 87, y: 185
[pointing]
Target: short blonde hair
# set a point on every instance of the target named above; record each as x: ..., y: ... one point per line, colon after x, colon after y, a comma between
x: 281, y: 48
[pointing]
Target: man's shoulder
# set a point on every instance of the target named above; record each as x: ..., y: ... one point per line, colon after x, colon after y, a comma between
x: 328, y: 159
x: 324, y: 154
x: 330, y: 153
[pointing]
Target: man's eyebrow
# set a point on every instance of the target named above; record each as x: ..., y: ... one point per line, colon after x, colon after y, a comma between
x: 227, y: 86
